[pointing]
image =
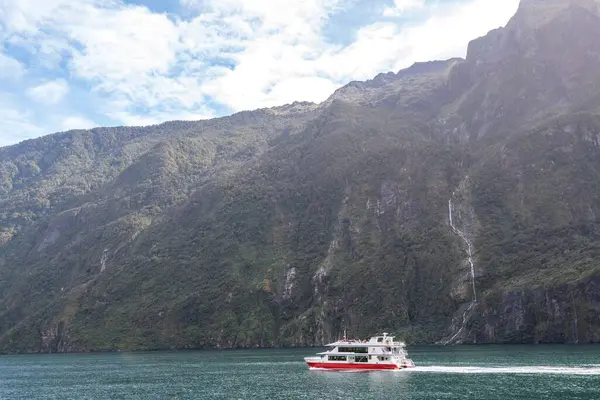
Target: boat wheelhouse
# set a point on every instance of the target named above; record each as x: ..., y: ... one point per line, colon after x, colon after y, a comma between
x: 378, y: 353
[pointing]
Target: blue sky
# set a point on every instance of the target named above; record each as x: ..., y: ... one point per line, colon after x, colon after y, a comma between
x: 68, y: 64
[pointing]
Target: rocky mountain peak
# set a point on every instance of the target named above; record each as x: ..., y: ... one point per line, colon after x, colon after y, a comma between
x: 539, y: 25
x: 539, y: 64
x: 540, y: 11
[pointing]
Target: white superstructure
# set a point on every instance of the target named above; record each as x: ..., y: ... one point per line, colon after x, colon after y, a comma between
x: 379, y: 352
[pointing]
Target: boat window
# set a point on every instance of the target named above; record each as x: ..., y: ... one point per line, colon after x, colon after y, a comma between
x: 354, y: 350
x: 379, y: 339
x: 337, y: 358
x: 361, y: 359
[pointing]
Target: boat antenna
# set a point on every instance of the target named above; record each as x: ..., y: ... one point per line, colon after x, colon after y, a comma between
x: 344, y: 333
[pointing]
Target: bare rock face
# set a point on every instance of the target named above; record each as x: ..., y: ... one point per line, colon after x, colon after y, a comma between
x: 55, y: 339
x: 558, y: 315
x: 540, y: 64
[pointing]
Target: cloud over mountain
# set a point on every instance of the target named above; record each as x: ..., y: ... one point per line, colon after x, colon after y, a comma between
x: 123, y: 62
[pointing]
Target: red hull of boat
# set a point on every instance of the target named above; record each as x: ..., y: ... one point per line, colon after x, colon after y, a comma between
x: 355, y: 366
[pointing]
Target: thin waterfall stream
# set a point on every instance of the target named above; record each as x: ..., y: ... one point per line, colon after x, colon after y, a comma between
x: 472, y: 265
x: 469, y: 248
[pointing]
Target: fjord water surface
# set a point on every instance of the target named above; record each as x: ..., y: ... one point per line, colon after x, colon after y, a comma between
x: 458, y: 372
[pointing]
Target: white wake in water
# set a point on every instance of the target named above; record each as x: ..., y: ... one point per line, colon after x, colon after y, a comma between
x: 530, y: 369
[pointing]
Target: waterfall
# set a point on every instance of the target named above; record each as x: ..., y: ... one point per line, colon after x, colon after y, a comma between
x: 472, y: 265
x: 469, y: 248
x: 103, y: 260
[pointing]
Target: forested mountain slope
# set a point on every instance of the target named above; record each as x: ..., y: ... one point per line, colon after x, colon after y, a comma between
x: 455, y: 201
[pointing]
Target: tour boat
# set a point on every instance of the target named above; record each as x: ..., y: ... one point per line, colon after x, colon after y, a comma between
x: 378, y: 353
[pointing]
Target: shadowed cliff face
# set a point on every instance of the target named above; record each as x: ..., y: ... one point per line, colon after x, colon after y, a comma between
x: 563, y: 314
x: 285, y: 226
x: 540, y: 64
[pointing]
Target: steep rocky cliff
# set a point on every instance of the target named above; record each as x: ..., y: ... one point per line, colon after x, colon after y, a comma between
x: 454, y: 201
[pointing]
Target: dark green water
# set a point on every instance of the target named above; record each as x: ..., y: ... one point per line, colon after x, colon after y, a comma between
x: 462, y: 372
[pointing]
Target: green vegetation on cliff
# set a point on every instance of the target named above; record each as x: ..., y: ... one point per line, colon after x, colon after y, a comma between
x: 285, y: 226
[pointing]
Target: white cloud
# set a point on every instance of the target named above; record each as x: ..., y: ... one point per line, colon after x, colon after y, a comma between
x: 26, y: 16
x: 449, y: 30
x: 386, y: 46
x: 402, y: 6
x: 268, y: 61
x: 124, y: 52
x: 282, y: 50
x: 49, y: 93
x: 376, y: 47
x: 10, y: 68
x: 295, y: 17
x: 146, y: 67
x: 15, y: 124
x: 313, y: 89
x: 75, y: 122
x: 118, y: 45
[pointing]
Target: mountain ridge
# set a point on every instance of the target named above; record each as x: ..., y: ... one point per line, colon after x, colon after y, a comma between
x: 284, y: 226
